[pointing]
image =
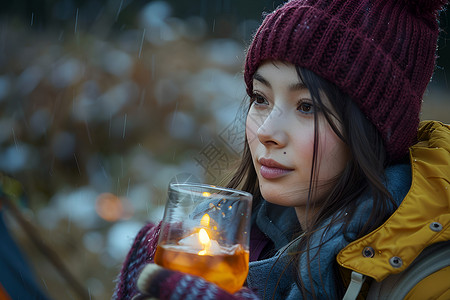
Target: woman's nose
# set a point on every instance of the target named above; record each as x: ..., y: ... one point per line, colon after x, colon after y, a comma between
x: 272, y: 131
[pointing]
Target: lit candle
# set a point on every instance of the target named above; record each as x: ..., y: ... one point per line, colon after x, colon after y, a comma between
x: 201, y: 239
x: 205, y: 241
x: 200, y: 254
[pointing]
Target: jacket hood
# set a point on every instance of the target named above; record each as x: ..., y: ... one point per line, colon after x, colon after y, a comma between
x: 423, y: 217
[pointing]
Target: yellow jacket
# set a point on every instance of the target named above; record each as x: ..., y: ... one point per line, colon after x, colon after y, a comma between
x: 422, y: 219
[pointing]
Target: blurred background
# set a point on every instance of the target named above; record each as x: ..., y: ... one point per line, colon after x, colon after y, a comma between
x: 103, y: 102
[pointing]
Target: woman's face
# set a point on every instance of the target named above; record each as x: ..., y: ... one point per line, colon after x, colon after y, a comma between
x: 280, y: 133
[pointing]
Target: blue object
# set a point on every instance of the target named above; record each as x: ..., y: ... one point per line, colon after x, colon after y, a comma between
x: 16, y: 275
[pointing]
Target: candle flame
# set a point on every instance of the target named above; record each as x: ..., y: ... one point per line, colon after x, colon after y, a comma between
x: 204, y: 239
x: 205, y: 220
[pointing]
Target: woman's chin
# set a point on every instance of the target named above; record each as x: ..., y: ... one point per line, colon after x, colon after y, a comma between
x: 283, y: 197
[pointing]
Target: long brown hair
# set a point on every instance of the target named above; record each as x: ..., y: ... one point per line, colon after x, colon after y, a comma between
x: 364, y: 172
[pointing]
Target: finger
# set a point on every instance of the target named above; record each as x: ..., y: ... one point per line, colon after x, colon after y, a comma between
x: 147, y: 275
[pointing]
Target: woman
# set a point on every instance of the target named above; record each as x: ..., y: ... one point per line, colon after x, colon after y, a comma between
x: 335, y: 92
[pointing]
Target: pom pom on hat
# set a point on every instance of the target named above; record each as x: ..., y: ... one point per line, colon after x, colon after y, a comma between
x: 381, y: 53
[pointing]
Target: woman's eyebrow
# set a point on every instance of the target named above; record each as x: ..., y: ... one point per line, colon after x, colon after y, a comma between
x: 298, y: 86
x: 261, y: 79
x: 293, y: 87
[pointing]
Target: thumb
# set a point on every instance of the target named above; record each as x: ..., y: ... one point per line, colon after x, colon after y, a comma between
x: 149, y: 279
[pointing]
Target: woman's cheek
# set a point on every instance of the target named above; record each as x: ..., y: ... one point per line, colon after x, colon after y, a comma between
x: 251, y: 129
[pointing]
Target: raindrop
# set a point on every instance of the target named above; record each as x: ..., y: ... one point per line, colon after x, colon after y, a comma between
x: 214, y: 25
x: 76, y: 161
x: 142, y: 43
x: 124, y: 126
x: 88, y: 132
x: 76, y: 21
x: 120, y: 8
x: 105, y: 174
x: 45, y: 283
x: 15, y: 140
x: 32, y: 19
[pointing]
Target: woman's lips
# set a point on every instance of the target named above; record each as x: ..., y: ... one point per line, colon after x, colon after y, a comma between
x: 271, y: 169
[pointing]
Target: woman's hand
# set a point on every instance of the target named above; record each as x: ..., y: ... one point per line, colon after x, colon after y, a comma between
x: 156, y: 282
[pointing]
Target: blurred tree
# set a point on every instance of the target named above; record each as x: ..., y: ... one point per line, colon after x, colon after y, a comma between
x: 222, y: 16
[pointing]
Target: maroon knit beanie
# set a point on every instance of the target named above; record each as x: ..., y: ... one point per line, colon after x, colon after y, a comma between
x: 382, y: 53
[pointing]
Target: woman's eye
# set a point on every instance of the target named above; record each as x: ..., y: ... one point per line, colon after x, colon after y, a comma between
x: 258, y: 99
x: 305, y: 107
